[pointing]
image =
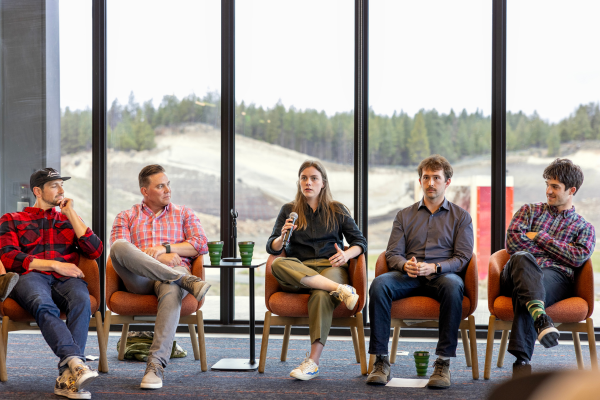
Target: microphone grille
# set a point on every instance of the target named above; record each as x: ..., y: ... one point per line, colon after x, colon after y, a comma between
x: 293, y: 215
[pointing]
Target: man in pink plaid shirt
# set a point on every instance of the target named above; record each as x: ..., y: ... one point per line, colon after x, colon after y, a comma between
x: 152, y: 246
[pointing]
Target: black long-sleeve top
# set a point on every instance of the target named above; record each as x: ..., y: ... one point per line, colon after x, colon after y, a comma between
x: 315, y: 241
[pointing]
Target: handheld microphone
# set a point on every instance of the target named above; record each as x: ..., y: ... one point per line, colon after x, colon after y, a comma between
x: 288, y: 234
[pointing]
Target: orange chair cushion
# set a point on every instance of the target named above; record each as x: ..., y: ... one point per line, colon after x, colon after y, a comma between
x: 296, y: 305
x: 11, y: 309
x: 421, y: 307
x: 573, y: 309
x: 125, y: 303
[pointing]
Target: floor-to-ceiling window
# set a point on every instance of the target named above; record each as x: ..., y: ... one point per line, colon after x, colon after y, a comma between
x: 294, y: 101
x: 553, y: 102
x: 164, y: 108
x: 429, y: 93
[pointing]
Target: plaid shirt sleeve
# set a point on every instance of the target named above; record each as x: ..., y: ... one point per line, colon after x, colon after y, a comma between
x: 193, y: 232
x: 574, y: 254
x: 13, y: 259
x: 90, y: 244
x: 516, y: 238
x: 120, y: 228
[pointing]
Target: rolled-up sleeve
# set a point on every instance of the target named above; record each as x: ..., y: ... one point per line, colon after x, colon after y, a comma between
x: 395, y: 253
x: 90, y: 244
x: 194, y: 233
x: 463, y: 246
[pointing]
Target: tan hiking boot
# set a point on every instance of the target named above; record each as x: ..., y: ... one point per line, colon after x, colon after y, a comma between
x: 382, y: 372
x: 440, y: 379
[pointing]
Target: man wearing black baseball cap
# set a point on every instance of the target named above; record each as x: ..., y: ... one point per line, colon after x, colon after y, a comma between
x: 43, y: 246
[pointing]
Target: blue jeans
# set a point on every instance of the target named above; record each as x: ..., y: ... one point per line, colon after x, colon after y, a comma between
x: 524, y: 280
x: 448, y: 289
x: 43, y: 296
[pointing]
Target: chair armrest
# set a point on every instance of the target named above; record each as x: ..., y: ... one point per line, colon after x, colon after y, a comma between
x: 91, y: 276
x: 357, y: 275
x: 472, y: 283
x: 381, y: 266
x: 497, y: 262
x: 584, y: 284
x: 271, y: 284
x: 198, y: 267
x: 113, y: 281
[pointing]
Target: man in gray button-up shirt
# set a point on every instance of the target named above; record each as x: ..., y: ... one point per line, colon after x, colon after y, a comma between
x: 430, y: 245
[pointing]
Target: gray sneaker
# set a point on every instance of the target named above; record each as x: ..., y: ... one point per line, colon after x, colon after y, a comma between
x: 7, y: 283
x: 151, y: 380
x: 381, y: 373
x: 440, y: 379
x: 195, y: 286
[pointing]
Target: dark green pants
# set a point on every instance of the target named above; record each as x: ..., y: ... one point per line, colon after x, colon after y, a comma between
x: 289, y: 272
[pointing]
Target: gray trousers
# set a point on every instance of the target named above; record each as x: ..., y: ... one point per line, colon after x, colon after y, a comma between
x: 143, y: 274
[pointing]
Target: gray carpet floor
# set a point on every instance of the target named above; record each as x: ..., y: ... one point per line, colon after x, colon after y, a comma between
x: 32, y: 372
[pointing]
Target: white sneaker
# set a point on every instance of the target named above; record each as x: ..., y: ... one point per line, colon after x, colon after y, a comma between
x: 65, y: 386
x: 151, y: 380
x: 306, y: 371
x: 83, y: 375
x: 347, y: 294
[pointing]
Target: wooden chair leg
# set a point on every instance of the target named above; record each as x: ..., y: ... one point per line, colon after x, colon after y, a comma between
x: 3, y: 374
x: 354, y: 334
x: 107, y: 319
x: 5, y: 323
x: 194, y: 339
x: 466, y: 346
x: 265, y: 342
x: 577, y: 344
x: 503, y: 346
x: 489, y: 349
x: 361, y: 343
x: 123, y: 341
x: 102, y: 345
x: 371, y: 362
x: 201, y: 339
x: 395, y: 340
x: 473, y: 340
x: 592, y: 343
x: 286, y: 341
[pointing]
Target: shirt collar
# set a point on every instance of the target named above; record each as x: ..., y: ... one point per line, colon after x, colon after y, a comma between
x: 147, y: 209
x: 40, y: 211
x: 565, y: 213
x: 444, y: 205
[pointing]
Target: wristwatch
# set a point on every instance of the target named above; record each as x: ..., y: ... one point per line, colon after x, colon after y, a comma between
x: 167, y: 246
x: 438, y: 268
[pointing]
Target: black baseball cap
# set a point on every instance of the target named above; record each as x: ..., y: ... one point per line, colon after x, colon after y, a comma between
x: 41, y: 176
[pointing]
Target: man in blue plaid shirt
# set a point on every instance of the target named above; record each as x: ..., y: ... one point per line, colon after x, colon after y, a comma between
x: 546, y: 242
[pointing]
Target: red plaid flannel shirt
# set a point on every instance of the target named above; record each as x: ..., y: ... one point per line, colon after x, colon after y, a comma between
x: 45, y: 235
x: 175, y: 224
x: 564, y: 240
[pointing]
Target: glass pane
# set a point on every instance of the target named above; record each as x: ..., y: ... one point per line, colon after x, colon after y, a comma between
x: 46, y: 100
x: 294, y: 101
x: 430, y: 74
x: 552, y: 100
x: 164, y: 108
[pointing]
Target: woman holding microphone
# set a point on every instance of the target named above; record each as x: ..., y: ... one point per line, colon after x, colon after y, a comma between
x: 316, y: 262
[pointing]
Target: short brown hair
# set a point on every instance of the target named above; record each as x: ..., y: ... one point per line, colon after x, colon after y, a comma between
x: 567, y: 173
x: 435, y: 163
x: 147, y: 172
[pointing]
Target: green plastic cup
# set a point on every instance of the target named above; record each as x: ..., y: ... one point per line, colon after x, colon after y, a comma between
x: 246, y: 250
x: 214, y: 252
x: 421, y: 362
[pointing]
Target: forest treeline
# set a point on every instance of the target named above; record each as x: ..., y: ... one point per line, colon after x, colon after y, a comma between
x: 398, y: 139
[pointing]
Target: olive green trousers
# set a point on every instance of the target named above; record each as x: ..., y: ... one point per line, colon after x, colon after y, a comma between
x: 289, y: 272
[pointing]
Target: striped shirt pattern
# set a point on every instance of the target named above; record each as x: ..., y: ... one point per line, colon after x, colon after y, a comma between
x: 175, y: 224
x: 564, y: 240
